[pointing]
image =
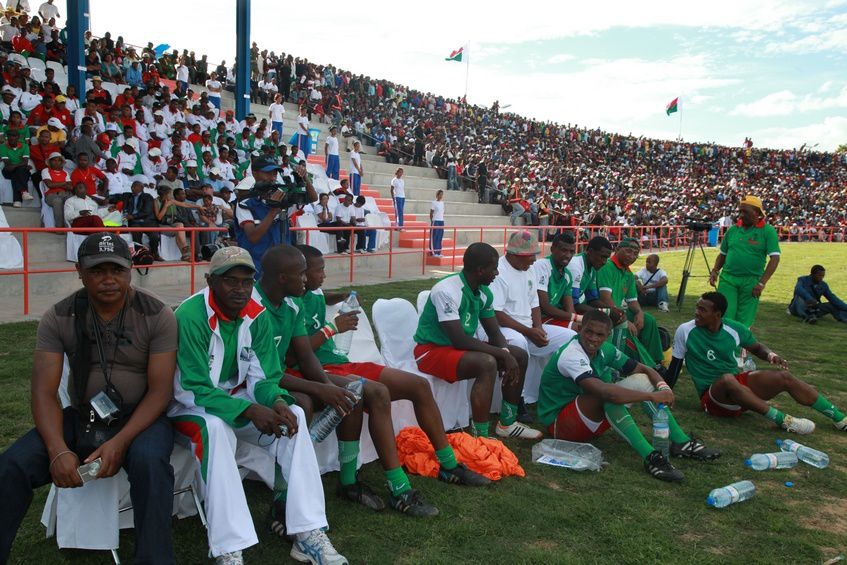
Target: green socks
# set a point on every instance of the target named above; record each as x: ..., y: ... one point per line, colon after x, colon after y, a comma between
x: 508, y: 413
x: 348, y: 458
x: 280, y: 485
x: 775, y: 416
x: 446, y: 457
x: 398, y: 482
x: 676, y: 433
x: 480, y: 429
x: 826, y: 408
x: 619, y: 418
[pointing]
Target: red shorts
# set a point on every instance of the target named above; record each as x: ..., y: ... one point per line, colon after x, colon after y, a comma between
x: 557, y: 322
x: 714, y: 408
x: 440, y: 361
x: 370, y: 371
x: 569, y: 425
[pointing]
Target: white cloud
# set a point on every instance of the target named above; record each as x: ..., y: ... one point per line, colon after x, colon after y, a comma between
x: 785, y: 102
x: 830, y: 40
x: 561, y: 58
x: 828, y: 133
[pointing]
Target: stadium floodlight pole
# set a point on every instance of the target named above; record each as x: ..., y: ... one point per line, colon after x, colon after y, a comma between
x: 242, y: 59
x: 78, y: 24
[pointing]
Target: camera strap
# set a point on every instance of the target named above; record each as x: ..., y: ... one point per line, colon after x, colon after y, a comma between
x: 98, y: 337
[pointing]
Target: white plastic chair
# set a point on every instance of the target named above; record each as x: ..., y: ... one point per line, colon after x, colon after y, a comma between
x: 11, y: 255
x: 58, y: 68
x: 323, y: 242
x: 38, y: 74
x: 19, y: 58
x: 423, y: 296
x: 36, y: 63
x: 48, y: 220
x: 375, y: 221
x: 396, y: 322
x: 168, y: 248
x: 7, y: 195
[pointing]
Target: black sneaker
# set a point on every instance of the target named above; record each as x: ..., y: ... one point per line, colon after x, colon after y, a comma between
x: 523, y: 414
x: 661, y: 469
x: 411, y: 503
x: 461, y: 475
x: 810, y: 320
x: 361, y: 493
x: 694, y: 449
x: 276, y: 520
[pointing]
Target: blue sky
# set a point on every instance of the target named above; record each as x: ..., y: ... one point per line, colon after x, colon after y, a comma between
x: 773, y: 70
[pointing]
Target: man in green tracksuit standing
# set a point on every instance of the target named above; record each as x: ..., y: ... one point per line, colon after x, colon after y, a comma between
x: 743, y: 252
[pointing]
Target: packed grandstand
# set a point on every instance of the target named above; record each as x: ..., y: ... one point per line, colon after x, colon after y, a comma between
x: 544, y: 173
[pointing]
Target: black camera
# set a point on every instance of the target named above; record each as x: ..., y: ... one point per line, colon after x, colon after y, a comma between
x: 698, y: 224
x: 293, y: 188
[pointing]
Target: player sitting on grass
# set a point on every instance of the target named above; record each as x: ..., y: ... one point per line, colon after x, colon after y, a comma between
x: 401, y: 385
x: 448, y: 349
x: 579, y: 399
x: 708, y: 344
x: 282, y: 284
x: 555, y: 283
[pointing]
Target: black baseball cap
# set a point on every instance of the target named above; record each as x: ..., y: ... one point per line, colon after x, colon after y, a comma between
x: 99, y: 248
x: 265, y: 165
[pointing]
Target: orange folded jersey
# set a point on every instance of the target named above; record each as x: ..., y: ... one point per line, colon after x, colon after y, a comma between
x: 485, y: 456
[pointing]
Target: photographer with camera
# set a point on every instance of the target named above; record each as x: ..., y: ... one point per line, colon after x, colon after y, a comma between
x: 121, y: 344
x: 261, y: 214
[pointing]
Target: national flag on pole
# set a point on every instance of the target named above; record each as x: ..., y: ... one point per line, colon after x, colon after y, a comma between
x: 672, y: 107
x: 455, y: 55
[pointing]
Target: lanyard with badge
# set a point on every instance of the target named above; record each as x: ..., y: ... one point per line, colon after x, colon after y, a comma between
x: 107, y: 404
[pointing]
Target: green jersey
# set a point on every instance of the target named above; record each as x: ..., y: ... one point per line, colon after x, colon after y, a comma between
x: 15, y: 155
x: 568, y: 367
x: 287, y: 322
x: 709, y: 355
x: 314, y: 307
x: 746, y: 249
x: 452, y: 299
x: 618, y: 280
x: 584, y: 277
x: 556, y: 284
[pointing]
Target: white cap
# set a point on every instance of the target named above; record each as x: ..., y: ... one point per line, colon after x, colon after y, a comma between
x: 191, y: 163
x: 56, y: 123
x: 155, y: 152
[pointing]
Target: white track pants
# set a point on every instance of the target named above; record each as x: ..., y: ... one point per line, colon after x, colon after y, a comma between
x: 214, y: 443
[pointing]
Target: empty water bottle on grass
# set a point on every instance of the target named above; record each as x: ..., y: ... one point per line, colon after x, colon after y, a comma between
x: 805, y: 454
x: 661, y: 431
x: 329, y: 417
x: 780, y: 460
x: 344, y: 340
x: 730, y: 494
x: 568, y: 454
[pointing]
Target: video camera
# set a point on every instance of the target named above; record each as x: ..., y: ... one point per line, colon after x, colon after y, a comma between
x: 293, y: 188
x: 698, y: 224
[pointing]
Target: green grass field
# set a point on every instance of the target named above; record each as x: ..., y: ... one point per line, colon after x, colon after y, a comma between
x: 619, y: 515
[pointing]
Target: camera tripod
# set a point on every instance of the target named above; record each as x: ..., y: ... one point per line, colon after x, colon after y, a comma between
x: 695, y: 242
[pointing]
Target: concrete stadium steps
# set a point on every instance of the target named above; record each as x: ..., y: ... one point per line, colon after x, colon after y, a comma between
x: 453, y: 256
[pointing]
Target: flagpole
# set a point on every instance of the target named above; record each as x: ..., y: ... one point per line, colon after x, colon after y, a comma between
x: 679, y: 109
x: 467, y: 69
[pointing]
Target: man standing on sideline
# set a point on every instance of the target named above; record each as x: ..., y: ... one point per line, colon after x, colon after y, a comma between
x: 652, y: 283
x: 447, y: 346
x: 517, y: 308
x: 807, y: 302
x: 398, y: 195
x: 741, y: 262
x: 436, y: 220
x: 333, y: 162
x: 708, y: 345
x: 356, y: 171
x: 136, y: 336
x: 304, y: 140
x: 227, y: 390
x: 276, y: 112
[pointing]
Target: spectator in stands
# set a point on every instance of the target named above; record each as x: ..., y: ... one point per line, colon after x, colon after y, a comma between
x: 398, y: 195
x: 807, y: 302
x: 30, y: 99
x: 89, y: 175
x: 139, y: 211
x: 48, y: 11
x: 57, y: 186
x: 142, y: 370
x: 652, y: 283
x: 165, y: 210
x: 304, y: 140
x: 365, y: 239
x: 15, y: 158
x: 85, y: 144
x: 82, y: 211
x: 356, y: 170
x: 436, y: 220
x: 333, y: 160
x: 97, y: 93
x: 110, y: 71
x: 344, y: 217
x: 133, y: 74
x: 9, y: 103
x: 56, y: 129
x: 214, y: 88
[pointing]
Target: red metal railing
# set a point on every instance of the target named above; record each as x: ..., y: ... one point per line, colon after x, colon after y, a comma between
x: 26, y: 271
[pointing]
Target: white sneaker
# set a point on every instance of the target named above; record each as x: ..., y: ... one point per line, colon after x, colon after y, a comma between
x: 26, y: 196
x: 315, y: 548
x: 841, y: 426
x: 231, y: 558
x: 800, y: 426
x: 663, y: 306
x: 518, y: 430
x: 16, y: 204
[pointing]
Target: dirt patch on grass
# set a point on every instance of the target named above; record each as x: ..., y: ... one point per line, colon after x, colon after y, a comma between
x: 542, y: 545
x: 828, y: 516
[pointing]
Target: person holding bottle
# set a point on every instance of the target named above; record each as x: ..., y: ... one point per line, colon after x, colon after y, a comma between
x: 579, y: 399
x: 709, y: 343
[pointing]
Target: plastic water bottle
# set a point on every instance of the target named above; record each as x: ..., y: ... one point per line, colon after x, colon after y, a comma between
x: 805, y: 454
x: 779, y: 460
x: 730, y: 494
x: 661, y: 431
x: 329, y: 418
x: 568, y: 454
x: 344, y: 340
